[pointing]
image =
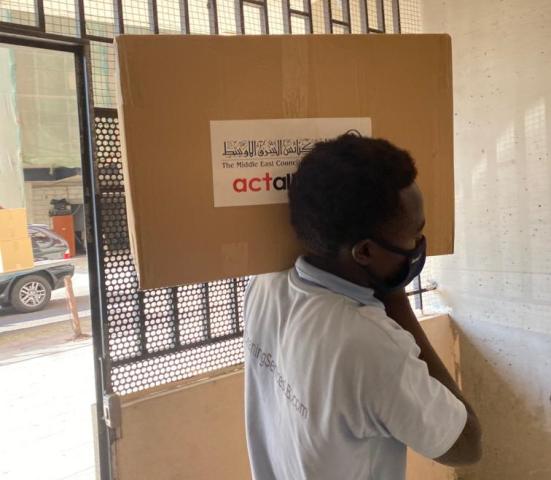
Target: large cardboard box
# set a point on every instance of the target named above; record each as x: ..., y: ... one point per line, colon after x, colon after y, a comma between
x: 13, y: 223
x: 16, y: 254
x: 200, y: 114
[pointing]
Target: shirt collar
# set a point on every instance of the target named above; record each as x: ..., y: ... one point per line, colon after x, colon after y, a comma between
x: 308, y: 272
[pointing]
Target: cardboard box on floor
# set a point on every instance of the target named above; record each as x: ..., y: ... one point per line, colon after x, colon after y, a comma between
x: 13, y: 223
x: 212, y: 128
x: 16, y: 252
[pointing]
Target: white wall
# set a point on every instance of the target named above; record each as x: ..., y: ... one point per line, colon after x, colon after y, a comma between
x: 498, y: 282
x: 501, y: 271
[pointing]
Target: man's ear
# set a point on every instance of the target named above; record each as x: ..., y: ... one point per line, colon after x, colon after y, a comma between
x: 361, y: 252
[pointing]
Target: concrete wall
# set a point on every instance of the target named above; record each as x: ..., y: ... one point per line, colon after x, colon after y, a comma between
x: 498, y: 282
x: 196, y: 432
x: 39, y: 194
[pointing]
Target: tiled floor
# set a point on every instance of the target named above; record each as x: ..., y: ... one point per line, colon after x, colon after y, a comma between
x: 46, y: 393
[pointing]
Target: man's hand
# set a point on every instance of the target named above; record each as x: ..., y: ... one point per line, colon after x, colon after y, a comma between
x: 392, y: 297
x: 398, y: 308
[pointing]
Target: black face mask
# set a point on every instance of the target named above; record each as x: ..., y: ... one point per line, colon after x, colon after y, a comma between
x: 415, y: 261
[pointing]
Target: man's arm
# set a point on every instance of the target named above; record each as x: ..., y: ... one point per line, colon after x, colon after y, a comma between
x: 467, y: 449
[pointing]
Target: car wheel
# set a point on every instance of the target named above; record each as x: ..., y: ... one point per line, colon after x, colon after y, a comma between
x: 30, y: 293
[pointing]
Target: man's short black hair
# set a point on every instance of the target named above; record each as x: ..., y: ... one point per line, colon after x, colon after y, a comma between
x: 346, y: 189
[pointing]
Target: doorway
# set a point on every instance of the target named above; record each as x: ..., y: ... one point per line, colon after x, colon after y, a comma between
x: 46, y: 357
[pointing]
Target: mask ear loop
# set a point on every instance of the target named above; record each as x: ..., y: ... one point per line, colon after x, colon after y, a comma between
x: 354, y: 132
x: 354, y: 252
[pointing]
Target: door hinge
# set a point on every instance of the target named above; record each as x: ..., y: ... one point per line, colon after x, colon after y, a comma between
x: 112, y: 411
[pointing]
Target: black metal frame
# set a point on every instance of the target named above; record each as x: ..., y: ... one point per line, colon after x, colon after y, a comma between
x: 39, y: 31
x: 213, y: 16
x: 396, y: 17
x: 291, y: 12
x: 184, y: 16
x: 40, y: 28
x: 80, y: 49
x: 263, y: 4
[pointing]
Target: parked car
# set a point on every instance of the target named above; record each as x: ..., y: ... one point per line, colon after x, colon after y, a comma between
x: 30, y: 290
x: 47, y: 245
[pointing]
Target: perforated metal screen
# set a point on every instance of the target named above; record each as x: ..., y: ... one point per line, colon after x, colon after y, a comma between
x: 156, y: 336
x: 159, y: 336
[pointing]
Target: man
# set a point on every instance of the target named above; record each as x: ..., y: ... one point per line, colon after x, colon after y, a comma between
x: 339, y: 376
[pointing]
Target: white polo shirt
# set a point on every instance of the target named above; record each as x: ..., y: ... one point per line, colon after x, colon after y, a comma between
x: 334, y: 389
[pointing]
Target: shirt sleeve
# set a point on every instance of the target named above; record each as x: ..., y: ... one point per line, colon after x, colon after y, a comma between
x: 246, y: 294
x: 414, y: 407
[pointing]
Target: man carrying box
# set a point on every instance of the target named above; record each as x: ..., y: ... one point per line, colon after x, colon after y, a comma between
x: 339, y: 376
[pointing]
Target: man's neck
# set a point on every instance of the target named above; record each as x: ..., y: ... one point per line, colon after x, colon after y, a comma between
x: 338, y: 267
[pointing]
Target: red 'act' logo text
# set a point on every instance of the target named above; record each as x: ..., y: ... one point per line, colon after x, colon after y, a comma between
x: 266, y: 183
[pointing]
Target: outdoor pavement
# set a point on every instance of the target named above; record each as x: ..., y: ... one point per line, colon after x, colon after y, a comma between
x: 47, y: 389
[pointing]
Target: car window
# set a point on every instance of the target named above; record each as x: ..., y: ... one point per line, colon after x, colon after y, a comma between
x: 38, y: 235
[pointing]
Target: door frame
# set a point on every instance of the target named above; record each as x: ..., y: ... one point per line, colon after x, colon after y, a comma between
x: 80, y: 48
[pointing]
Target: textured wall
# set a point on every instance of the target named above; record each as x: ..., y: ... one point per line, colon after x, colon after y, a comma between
x: 506, y: 375
x: 499, y: 280
x: 502, y: 80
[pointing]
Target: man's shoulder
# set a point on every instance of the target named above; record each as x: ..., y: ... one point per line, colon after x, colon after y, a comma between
x: 266, y: 280
x: 373, y: 328
x: 268, y: 277
x: 260, y: 286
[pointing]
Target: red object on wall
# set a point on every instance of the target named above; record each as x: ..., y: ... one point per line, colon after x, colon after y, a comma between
x: 64, y: 226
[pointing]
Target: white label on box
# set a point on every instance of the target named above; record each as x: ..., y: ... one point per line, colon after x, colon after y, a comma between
x: 253, y: 161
